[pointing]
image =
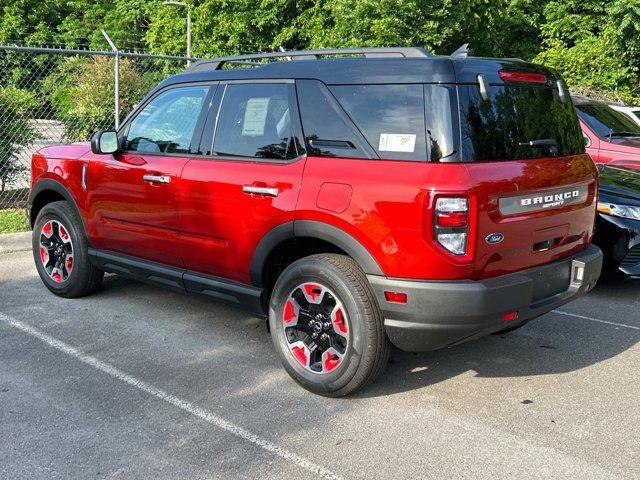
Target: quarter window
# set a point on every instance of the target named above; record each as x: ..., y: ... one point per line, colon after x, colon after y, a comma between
x: 255, y: 121
x: 391, y: 117
x: 166, y: 124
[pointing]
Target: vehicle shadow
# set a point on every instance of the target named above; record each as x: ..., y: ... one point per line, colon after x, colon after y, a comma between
x: 552, y: 344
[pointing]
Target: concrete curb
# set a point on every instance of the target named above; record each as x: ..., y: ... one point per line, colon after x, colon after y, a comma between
x: 15, y: 242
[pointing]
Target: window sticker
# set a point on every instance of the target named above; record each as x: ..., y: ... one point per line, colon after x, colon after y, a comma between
x: 397, y: 142
x: 255, y: 116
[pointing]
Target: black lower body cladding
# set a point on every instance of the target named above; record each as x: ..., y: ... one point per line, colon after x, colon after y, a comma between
x: 443, y: 313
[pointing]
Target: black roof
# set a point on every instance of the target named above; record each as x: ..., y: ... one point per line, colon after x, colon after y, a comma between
x: 400, y: 65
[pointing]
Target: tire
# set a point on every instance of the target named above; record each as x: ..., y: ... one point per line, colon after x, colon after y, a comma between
x: 330, y: 290
x: 60, y: 252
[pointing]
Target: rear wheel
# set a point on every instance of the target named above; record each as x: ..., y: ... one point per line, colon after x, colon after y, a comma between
x: 60, y: 252
x: 326, y: 325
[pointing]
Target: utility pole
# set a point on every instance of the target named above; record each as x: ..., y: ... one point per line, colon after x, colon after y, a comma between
x: 116, y: 76
x: 188, y: 8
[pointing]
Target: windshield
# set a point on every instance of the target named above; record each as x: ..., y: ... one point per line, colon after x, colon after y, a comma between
x: 517, y: 123
x: 607, y: 122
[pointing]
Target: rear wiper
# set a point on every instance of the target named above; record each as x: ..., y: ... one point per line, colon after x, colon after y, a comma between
x: 549, y: 143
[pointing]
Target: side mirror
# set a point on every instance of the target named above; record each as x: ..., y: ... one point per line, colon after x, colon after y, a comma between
x: 587, y: 141
x: 104, y: 142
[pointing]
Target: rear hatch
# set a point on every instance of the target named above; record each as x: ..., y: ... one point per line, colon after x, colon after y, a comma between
x: 533, y: 185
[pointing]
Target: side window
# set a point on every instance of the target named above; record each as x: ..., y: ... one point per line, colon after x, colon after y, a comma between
x: 391, y: 117
x: 166, y: 124
x: 255, y: 121
x: 328, y: 131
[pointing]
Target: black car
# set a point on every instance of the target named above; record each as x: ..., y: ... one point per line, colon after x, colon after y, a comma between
x: 618, y: 223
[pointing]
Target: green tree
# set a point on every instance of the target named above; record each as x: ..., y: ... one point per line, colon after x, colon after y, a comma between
x: 15, y: 131
x: 82, y: 93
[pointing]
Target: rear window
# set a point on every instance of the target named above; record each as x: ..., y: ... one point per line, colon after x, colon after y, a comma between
x: 517, y: 123
x: 606, y: 121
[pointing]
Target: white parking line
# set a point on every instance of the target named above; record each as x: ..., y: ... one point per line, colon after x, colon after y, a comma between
x: 623, y: 325
x: 171, y: 399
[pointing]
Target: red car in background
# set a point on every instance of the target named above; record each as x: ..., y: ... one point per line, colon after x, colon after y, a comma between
x: 610, y: 136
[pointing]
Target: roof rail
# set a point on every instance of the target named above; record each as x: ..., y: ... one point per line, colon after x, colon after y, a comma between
x: 217, y: 63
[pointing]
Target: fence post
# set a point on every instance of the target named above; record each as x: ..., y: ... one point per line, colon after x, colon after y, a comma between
x: 116, y: 76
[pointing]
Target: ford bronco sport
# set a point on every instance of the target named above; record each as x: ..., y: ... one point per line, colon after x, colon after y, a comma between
x: 357, y: 198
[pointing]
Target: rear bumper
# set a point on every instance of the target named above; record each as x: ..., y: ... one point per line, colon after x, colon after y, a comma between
x: 442, y: 313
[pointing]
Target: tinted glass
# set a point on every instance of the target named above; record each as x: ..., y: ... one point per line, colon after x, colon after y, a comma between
x: 517, y: 123
x: 441, y: 118
x: 606, y: 121
x: 327, y: 129
x: 255, y: 121
x: 391, y: 117
x: 637, y: 114
x: 166, y: 124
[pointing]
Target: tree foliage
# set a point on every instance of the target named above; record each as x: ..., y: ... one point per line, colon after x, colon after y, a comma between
x: 595, y: 43
x: 14, y: 125
x: 82, y: 93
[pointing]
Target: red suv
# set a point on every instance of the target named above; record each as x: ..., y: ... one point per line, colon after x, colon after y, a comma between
x: 358, y: 198
x: 610, y: 136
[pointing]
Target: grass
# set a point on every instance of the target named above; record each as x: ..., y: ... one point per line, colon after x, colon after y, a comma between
x: 13, y: 220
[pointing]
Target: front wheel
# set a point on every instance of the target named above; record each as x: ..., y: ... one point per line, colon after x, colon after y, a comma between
x: 327, y: 326
x: 60, y: 252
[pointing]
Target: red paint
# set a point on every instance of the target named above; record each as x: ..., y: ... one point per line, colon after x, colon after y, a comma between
x: 312, y: 290
x: 204, y: 221
x: 334, y: 197
x: 331, y: 362
x: 220, y: 224
x: 289, y: 312
x: 301, y: 355
x: 129, y: 215
x: 624, y: 152
x: 339, y: 322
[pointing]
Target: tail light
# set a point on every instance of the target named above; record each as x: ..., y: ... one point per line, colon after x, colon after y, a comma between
x: 451, y: 224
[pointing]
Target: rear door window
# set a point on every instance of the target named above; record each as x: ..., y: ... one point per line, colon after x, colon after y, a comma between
x: 328, y: 131
x: 255, y: 122
x: 517, y: 123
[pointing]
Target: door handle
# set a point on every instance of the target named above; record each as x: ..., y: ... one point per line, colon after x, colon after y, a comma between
x: 157, y: 178
x: 267, y: 191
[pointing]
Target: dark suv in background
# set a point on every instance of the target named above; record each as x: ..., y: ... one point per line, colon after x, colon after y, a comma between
x: 358, y: 198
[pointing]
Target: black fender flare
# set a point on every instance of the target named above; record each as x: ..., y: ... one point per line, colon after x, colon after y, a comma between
x: 54, y: 185
x: 311, y: 229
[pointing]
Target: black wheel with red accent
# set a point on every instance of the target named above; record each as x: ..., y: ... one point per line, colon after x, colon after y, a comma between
x: 60, y: 252
x: 327, y: 326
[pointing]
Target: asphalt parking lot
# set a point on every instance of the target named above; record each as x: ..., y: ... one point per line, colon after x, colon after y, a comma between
x: 137, y: 382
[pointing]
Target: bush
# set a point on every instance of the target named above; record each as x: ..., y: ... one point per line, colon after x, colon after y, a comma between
x: 82, y: 93
x: 15, y: 131
x: 590, y: 67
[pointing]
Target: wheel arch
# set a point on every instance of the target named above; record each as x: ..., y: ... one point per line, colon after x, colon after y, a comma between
x: 331, y: 237
x: 47, y: 191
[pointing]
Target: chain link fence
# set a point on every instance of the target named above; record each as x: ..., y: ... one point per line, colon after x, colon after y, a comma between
x: 54, y: 96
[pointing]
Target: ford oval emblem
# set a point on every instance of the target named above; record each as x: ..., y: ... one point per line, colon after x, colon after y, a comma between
x: 494, y: 238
